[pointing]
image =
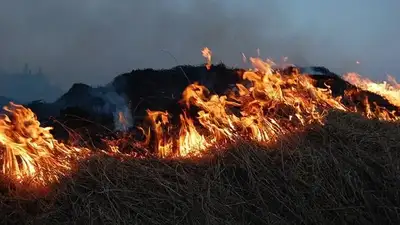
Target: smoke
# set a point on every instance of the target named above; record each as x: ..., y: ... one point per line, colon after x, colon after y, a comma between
x: 116, y: 105
x: 92, y: 41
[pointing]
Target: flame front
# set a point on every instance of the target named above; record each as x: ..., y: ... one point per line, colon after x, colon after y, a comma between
x: 263, y: 107
x: 30, y: 152
x: 388, y: 89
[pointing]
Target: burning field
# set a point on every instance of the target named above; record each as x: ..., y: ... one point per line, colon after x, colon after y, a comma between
x: 277, y: 146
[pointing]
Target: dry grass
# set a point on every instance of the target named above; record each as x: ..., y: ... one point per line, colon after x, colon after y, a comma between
x: 346, y: 172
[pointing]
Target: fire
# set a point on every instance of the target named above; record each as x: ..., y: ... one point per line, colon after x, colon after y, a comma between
x: 263, y: 107
x: 191, y: 142
x: 388, y: 89
x: 207, y: 54
x: 30, y: 152
x: 122, y: 121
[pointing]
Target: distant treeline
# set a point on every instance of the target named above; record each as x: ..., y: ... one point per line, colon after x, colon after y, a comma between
x: 27, y: 85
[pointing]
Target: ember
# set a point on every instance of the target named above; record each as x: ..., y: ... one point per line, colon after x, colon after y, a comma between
x: 263, y: 107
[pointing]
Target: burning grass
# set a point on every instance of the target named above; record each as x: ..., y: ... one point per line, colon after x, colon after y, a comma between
x: 346, y: 171
x: 267, y: 151
x: 390, y: 89
x: 264, y: 107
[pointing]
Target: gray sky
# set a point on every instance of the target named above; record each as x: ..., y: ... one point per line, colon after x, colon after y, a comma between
x: 92, y: 41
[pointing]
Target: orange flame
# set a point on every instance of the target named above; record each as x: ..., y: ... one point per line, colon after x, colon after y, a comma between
x: 271, y: 106
x: 30, y: 151
x: 207, y: 54
x: 161, y: 126
x: 191, y: 142
x: 388, y: 89
x: 264, y: 106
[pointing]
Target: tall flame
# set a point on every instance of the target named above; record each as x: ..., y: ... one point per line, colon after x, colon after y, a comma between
x: 264, y: 106
x: 29, y: 151
x: 207, y: 54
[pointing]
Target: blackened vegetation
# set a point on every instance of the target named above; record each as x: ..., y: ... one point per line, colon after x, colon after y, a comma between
x: 83, y: 114
x: 162, y: 89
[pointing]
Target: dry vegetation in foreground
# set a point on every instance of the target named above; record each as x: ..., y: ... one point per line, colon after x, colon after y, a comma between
x: 346, y: 172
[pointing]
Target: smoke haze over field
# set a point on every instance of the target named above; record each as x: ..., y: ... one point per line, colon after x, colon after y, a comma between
x: 92, y: 41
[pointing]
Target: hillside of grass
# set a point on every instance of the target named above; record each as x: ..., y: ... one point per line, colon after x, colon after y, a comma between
x: 345, y: 172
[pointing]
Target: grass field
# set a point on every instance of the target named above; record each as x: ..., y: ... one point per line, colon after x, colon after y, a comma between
x: 345, y: 172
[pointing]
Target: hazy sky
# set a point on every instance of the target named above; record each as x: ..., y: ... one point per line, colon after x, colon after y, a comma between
x: 92, y: 41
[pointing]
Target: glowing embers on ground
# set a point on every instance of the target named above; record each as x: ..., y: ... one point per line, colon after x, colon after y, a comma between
x: 29, y: 152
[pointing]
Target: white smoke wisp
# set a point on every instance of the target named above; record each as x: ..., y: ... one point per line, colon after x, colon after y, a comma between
x: 123, y: 119
x: 117, y: 105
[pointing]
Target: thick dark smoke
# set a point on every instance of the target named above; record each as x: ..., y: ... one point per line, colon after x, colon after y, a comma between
x: 92, y: 41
